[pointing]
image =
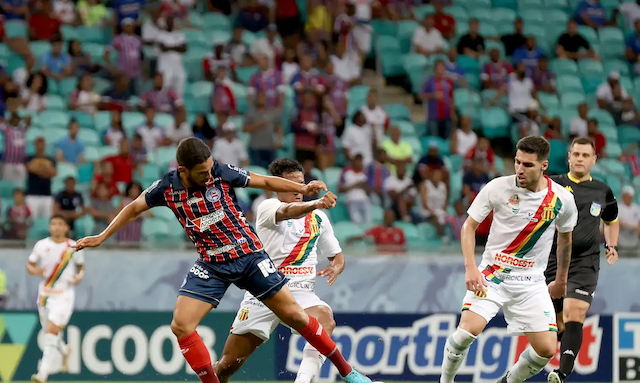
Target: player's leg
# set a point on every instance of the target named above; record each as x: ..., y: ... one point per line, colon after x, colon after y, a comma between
x: 534, y: 358
x: 312, y: 359
x: 55, y: 313
x: 477, y: 311
x: 237, y: 349
x: 201, y: 291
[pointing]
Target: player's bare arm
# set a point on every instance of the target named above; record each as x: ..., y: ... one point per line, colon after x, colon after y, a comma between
x: 79, y: 276
x: 474, y: 279
x: 33, y: 269
x: 127, y: 215
x: 281, y: 185
x: 295, y: 210
x: 611, y: 234
x: 333, y: 269
x: 558, y: 288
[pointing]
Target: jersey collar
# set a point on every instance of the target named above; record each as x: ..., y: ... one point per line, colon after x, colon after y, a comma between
x: 575, y: 180
x: 177, y: 183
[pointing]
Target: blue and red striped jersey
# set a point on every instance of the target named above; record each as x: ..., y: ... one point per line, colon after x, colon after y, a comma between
x: 210, y: 214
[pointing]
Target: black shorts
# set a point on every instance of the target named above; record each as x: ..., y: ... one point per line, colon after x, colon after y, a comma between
x: 583, y: 278
x: 254, y: 273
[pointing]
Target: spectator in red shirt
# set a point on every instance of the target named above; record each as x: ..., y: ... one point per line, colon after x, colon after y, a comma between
x: 444, y: 22
x: 598, y: 138
x: 123, y: 163
x: 105, y: 176
x: 43, y: 25
x: 387, y: 237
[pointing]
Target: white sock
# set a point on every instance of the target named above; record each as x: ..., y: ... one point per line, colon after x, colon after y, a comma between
x: 455, y: 350
x: 528, y: 365
x: 51, y: 358
x: 62, y: 347
x: 311, y: 364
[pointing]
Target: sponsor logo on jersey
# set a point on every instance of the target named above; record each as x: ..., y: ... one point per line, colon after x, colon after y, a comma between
x: 194, y: 200
x: 595, y: 209
x: 513, y: 261
x: 514, y: 202
x: 226, y: 248
x: 213, y: 195
x: 626, y: 347
x: 203, y: 223
x: 297, y: 270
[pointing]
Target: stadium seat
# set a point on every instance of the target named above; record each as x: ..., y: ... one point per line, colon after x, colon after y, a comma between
x: 386, y: 27
x: 588, y: 33
x: 39, y: 229
x: 332, y: 178
x: 154, y: 230
x: 397, y: 111
x: 602, y: 116
x: 614, y: 150
x: 611, y: 165
x: 609, y: 131
x: 51, y: 118
x: 66, y: 170
x: 106, y: 151
x: 164, y: 155
x: 39, y: 48
x: 558, y: 156
x: 589, y: 67
x: 89, y: 137
x: 55, y: 102
x: 6, y: 188
x: 628, y: 135
x: 571, y: 100
x: 617, y: 65
x: 196, y: 38
x: 443, y: 145
x: 495, y: 122
x: 422, y: 10
x: 569, y: 83
x: 427, y: 232
x: 216, y: 21
x: 504, y: 15
x: 85, y: 226
x: 411, y: 232
x: 131, y: 121
x: 548, y: 100
x: 554, y: 17
x: 346, y: 230
x: 15, y: 28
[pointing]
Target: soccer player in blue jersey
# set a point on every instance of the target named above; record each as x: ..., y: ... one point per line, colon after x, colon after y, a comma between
x: 200, y: 194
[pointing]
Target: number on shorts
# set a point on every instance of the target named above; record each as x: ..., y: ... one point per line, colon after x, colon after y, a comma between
x: 266, y: 267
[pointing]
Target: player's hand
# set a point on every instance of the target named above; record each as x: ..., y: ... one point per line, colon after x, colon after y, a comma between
x: 39, y: 272
x: 612, y: 255
x: 92, y: 241
x: 332, y: 270
x: 557, y: 289
x: 475, y: 280
x: 327, y: 201
x: 314, y: 187
x: 76, y: 280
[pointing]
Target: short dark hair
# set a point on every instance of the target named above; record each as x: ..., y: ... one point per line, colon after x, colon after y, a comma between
x: 583, y: 141
x: 191, y: 152
x: 535, y: 145
x: 58, y: 216
x: 283, y: 166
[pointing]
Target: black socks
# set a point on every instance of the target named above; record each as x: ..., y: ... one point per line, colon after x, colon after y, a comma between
x: 570, y: 346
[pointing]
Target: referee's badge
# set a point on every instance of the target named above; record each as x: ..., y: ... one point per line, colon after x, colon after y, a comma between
x: 595, y: 209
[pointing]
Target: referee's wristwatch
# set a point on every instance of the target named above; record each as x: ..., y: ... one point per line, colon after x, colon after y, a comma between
x: 607, y: 246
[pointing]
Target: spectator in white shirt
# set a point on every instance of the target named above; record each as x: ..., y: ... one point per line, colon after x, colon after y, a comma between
x: 172, y: 44
x: 605, y: 93
x: 400, y: 192
x: 346, y: 66
x: 464, y: 139
x: 152, y: 135
x: 65, y: 11
x: 362, y: 29
x: 33, y: 95
x: 289, y: 66
x: 229, y: 149
x: 354, y: 184
x: 520, y: 89
x: 434, y: 199
x: 629, y: 216
x: 578, y: 124
x: 268, y: 46
x: 359, y: 138
x: 631, y: 13
x: 427, y: 40
x: 376, y: 116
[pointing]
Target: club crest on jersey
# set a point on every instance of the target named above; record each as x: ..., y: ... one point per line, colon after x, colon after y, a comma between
x: 595, y: 209
x: 213, y: 195
x: 243, y: 314
x: 514, y: 202
x: 548, y: 214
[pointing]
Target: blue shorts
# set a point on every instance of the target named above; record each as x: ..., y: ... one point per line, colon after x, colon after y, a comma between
x: 254, y: 273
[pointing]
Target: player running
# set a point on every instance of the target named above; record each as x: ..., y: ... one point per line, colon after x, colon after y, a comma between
x: 595, y: 202
x: 292, y: 231
x: 200, y: 194
x: 526, y: 209
x: 54, y: 260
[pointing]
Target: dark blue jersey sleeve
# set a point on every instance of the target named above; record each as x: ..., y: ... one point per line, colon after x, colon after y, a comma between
x: 235, y: 176
x: 154, y: 195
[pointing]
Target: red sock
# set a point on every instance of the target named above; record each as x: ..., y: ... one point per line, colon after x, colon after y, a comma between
x: 316, y: 336
x: 197, y: 355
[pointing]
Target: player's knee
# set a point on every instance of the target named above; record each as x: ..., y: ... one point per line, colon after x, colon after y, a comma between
x: 295, y: 317
x: 181, y: 328
x: 546, y: 350
x: 326, y: 320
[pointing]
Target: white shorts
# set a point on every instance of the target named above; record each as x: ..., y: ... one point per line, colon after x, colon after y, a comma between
x: 527, y: 307
x: 256, y: 318
x: 56, y: 309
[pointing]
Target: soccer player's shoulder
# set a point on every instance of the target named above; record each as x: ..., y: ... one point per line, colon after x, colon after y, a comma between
x: 322, y: 215
x: 268, y: 204
x: 563, y: 193
x: 599, y: 185
x: 501, y: 183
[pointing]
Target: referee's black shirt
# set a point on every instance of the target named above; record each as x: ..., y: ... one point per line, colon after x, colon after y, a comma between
x: 595, y: 201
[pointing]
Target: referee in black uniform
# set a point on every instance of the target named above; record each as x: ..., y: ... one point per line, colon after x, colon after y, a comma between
x: 595, y: 202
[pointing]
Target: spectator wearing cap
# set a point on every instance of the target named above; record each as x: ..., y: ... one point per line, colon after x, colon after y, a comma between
x: 611, y: 91
x: 41, y: 170
x: 270, y: 81
x: 496, y: 72
x: 83, y: 98
x: 578, y: 124
x: 632, y: 52
x: 264, y: 126
x: 153, y: 135
x: 472, y: 44
x: 127, y: 12
x: 15, y: 131
x: 443, y: 21
x: 599, y: 139
x: 173, y: 44
x: 129, y: 48
x: 229, y: 149
x: 19, y: 217
x: 164, y: 99
x: 529, y: 55
x: 572, y: 45
x: 353, y: 183
x: 56, y: 64
x: 70, y: 148
x: 269, y: 46
x: 438, y: 92
x: 515, y: 40
x: 427, y: 39
x: 43, y: 25
x: 543, y: 79
x: 464, y: 137
x: 70, y: 204
x: 591, y: 13
x: 307, y: 79
x: 218, y: 59
x: 629, y: 216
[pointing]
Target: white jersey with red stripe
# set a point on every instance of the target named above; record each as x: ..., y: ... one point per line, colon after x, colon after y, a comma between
x: 293, y: 244
x: 523, y: 227
x: 59, y: 262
